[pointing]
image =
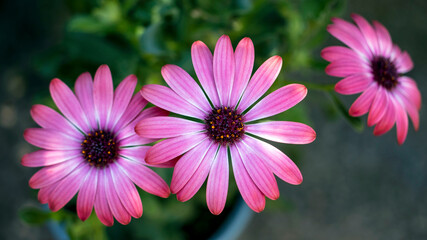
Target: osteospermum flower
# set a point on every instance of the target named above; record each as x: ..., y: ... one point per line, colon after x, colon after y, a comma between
x: 374, y: 66
x: 222, y: 121
x: 93, y: 149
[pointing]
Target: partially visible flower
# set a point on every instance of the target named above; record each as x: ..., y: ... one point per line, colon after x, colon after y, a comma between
x: 225, y: 125
x: 374, y: 66
x: 93, y: 149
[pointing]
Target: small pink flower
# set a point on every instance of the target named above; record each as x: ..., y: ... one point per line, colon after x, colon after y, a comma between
x: 374, y: 66
x: 222, y: 123
x: 93, y: 149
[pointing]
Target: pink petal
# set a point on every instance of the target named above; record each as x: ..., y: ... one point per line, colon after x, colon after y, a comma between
x: 44, y: 193
x: 68, y: 104
x: 339, y: 53
x: 173, y: 147
x: 279, y: 163
x: 87, y: 194
x: 137, y: 103
x: 103, y: 92
x: 84, y: 92
x: 52, y: 174
x: 283, y: 131
x: 410, y: 89
x: 223, y: 69
x: 116, y: 207
x: 46, y: 117
x: 198, y: 178
x: 349, y: 35
x: 244, y: 58
x: 46, y: 158
x: 384, y: 40
x: 102, y: 209
x: 410, y: 108
x: 368, y: 32
x: 217, y: 187
x: 261, y: 81
x: 401, y: 123
x: 364, y: 101
x: 188, y: 164
x: 345, y: 68
x: 277, y: 102
x: 126, y: 191
x: 249, y: 191
x: 166, y: 127
x: 144, y: 177
x: 203, y: 64
x: 404, y: 63
x: 259, y: 172
x: 136, y: 154
x: 122, y: 98
x: 167, y: 99
x: 185, y: 86
x: 378, y: 107
x: 353, y: 84
x: 50, y: 139
x: 134, y: 141
x: 388, y: 119
x: 68, y: 187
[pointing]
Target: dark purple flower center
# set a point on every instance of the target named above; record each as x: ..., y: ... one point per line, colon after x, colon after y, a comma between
x: 385, y: 72
x: 225, y: 125
x: 99, y: 148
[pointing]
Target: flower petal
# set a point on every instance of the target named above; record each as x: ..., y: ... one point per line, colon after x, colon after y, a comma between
x: 364, y: 101
x: 137, y: 103
x: 116, y: 207
x: 378, y: 107
x: 101, y: 206
x: 401, y: 123
x: 249, y: 191
x: 135, y: 141
x: 122, y: 97
x: 166, y: 127
x: 409, y: 106
x: 223, y: 69
x: 261, y: 81
x: 384, y: 40
x: 368, y: 33
x: 46, y: 158
x: 167, y: 99
x: 339, y: 53
x: 185, y: 86
x: 244, y: 58
x: 283, y: 131
x: 84, y: 92
x: 50, y: 139
x: 345, y: 68
x: 137, y: 154
x: 217, y: 187
x: 404, y: 63
x: 349, y: 35
x: 68, y: 104
x: 44, y: 193
x: 173, y: 147
x: 410, y: 89
x: 277, y: 102
x: 388, y: 119
x: 203, y: 65
x: 103, y: 93
x: 87, y: 194
x: 353, y: 84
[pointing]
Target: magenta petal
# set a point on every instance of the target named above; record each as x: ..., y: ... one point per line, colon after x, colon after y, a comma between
x: 223, y: 69
x: 388, y: 119
x: 344, y: 68
x: 410, y: 89
x: 404, y: 63
x: 364, y: 101
x: 122, y: 97
x: 44, y: 193
x: 116, y: 207
x: 137, y: 103
x: 135, y: 141
x: 103, y: 92
x: 353, y: 84
x: 126, y: 191
x: 102, y: 209
x: 249, y: 191
x: 277, y: 102
x: 87, y: 194
x: 368, y: 32
x: 173, y: 147
x: 84, y: 92
x: 279, y: 163
x: 144, y: 177
x: 259, y: 172
x: 185, y: 86
x: 136, y: 154
x: 167, y: 99
x: 378, y: 107
x: 46, y: 158
x: 410, y: 108
x: 217, y: 187
x: 384, y: 40
x: 166, y: 127
x: 244, y: 58
x: 401, y: 123
x: 203, y: 65
x: 198, y: 178
x: 339, y: 53
x: 68, y: 104
x: 46, y: 117
x: 188, y: 164
x: 67, y: 187
x: 50, y: 139
x: 349, y: 35
x: 283, y: 131
x: 261, y: 81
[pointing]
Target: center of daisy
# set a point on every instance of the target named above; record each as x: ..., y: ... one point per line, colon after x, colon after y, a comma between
x: 99, y: 148
x: 225, y: 125
x: 385, y: 72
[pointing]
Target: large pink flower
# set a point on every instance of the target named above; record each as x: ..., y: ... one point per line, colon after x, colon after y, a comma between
x: 374, y: 66
x: 222, y: 122
x: 93, y: 149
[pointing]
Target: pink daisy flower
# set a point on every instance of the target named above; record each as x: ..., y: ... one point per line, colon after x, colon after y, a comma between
x: 221, y: 124
x: 374, y: 66
x: 92, y: 148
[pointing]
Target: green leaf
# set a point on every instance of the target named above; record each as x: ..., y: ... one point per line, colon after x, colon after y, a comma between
x: 355, y: 122
x: 34, y: 215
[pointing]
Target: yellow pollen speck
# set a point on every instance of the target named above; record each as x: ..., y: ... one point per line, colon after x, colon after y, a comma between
x: 218, y: 111
x: 85, y: 141
x: 222, y: 136
x: 225, y: 108
x: 228, y: 136
x: 217, y: 117
x: 83, y: 152
x: 213, y: 127
x: 109, y: 152
x: 89, y: 156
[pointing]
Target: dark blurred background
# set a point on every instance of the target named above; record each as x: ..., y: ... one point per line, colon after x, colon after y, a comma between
x: 356, y: 186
